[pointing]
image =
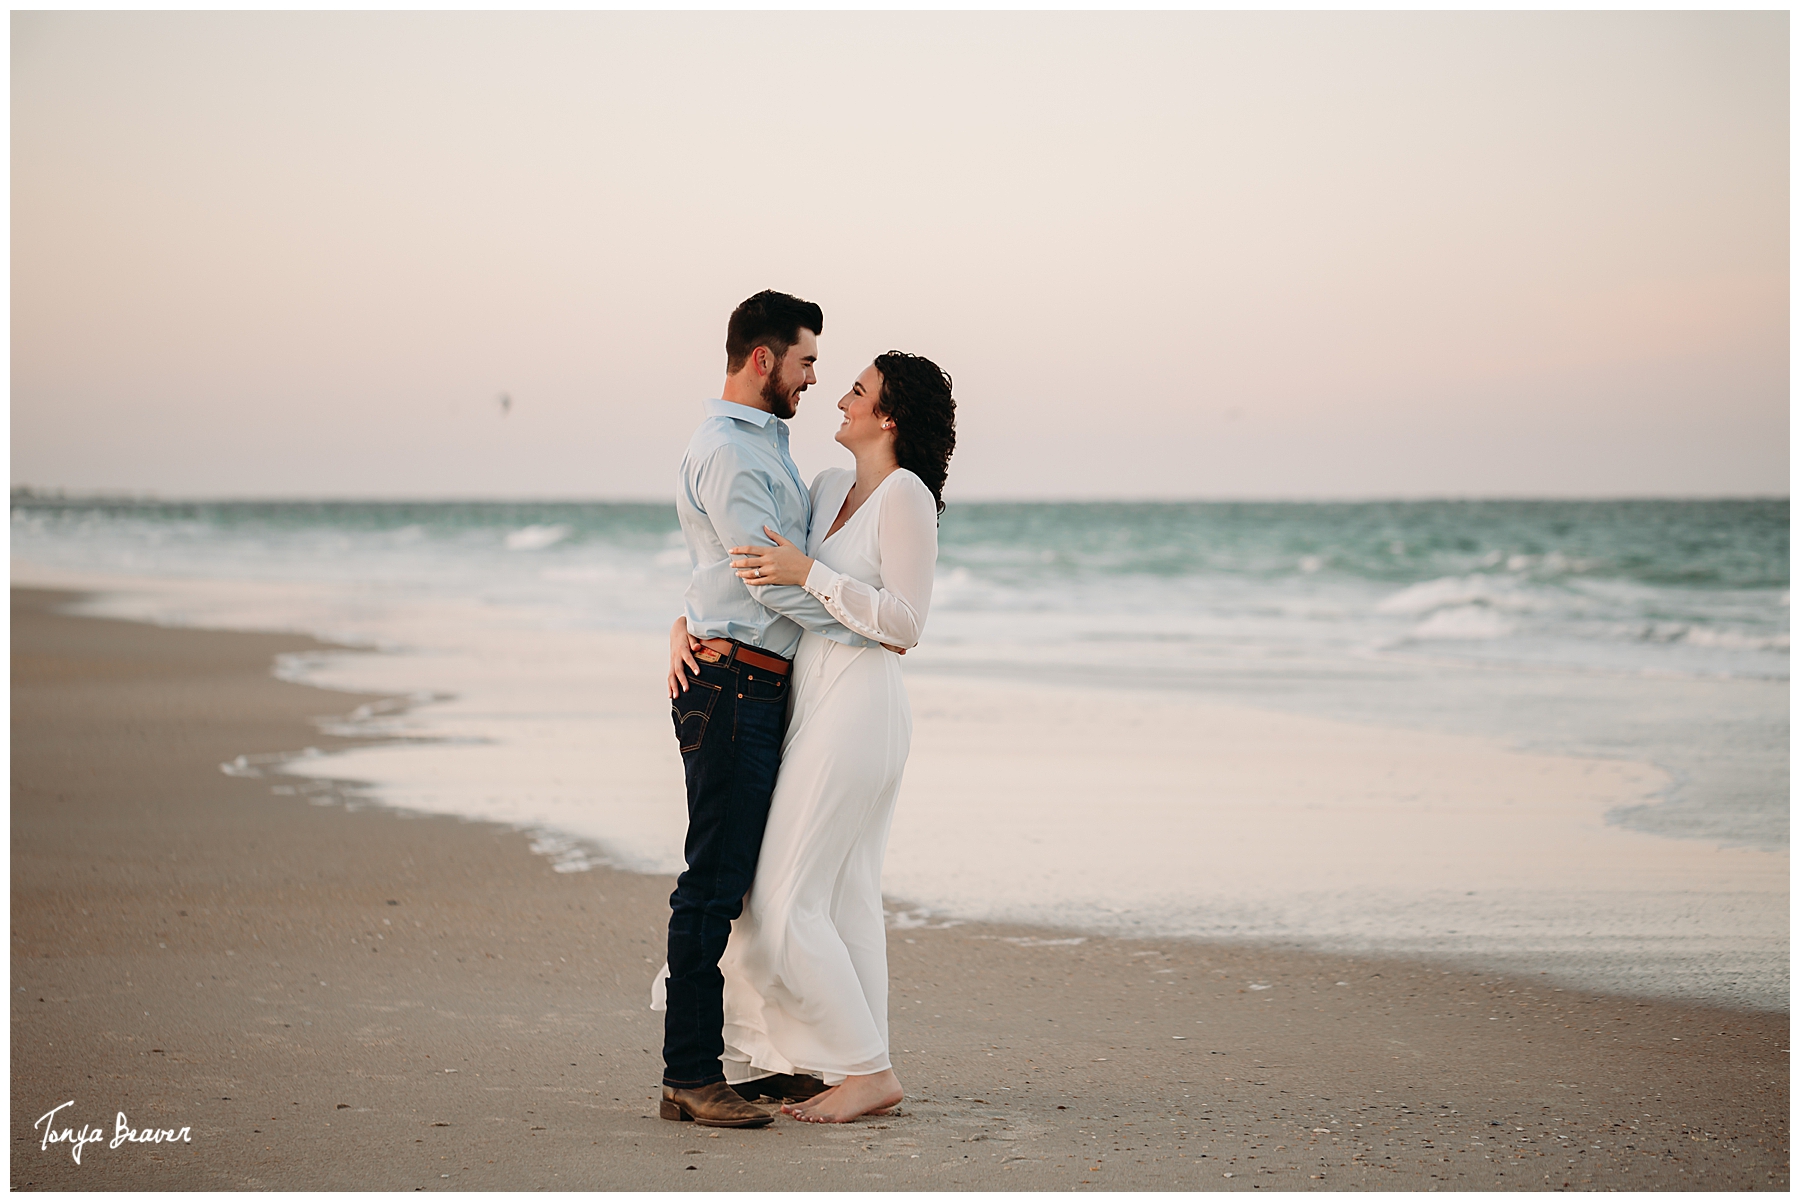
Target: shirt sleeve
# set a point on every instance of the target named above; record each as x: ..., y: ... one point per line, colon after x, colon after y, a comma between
x: 739, y: 500
x: 894, y: 613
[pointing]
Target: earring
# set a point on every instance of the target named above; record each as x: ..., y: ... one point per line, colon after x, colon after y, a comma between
x: 887, y: 425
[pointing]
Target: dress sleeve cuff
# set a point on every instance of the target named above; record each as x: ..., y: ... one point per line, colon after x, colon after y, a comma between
x: 821, y: 581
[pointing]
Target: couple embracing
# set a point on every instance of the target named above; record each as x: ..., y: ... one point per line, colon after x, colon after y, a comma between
x: 794, y: 726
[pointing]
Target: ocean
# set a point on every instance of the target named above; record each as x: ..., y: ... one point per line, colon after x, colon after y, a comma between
x: 1692, y: 587
x: 1650, y: 632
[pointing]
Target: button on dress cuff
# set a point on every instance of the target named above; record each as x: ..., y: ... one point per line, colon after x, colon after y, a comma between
x: 821, y: 581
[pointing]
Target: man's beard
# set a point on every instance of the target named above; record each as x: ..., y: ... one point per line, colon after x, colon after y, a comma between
x: 783, y: 402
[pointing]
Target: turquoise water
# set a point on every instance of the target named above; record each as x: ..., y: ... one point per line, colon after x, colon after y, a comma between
x: 1733, y: 544
x: 1697, y: 587
x: 1705, y: 544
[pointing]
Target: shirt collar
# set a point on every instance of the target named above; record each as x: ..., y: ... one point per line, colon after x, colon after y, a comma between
x: 743, y: 413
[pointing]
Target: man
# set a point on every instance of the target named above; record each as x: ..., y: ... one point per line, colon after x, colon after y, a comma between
x: 731, y: 709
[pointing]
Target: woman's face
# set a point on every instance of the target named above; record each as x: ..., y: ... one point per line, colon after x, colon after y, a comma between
x: 863, y: 425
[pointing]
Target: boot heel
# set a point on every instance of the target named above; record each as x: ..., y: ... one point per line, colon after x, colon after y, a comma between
x: 674, y: 1113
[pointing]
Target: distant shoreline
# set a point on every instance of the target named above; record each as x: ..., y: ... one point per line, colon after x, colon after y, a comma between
x: 152, y: 497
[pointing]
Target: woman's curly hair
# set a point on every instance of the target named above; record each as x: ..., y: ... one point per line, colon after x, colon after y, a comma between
x: 915, y: 392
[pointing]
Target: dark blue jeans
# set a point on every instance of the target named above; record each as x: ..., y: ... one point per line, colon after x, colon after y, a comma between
x: 729, y: 724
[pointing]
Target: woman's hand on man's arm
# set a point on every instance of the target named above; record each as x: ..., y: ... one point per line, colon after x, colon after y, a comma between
x: 784, y: 563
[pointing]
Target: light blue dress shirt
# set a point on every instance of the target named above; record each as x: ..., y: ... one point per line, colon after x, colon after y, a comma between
x: 736, y: 478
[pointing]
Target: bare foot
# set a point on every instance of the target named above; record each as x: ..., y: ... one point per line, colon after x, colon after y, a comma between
x: 850, y: 1099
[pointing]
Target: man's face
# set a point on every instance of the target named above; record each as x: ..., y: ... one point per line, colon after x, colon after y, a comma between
x: 792, y: 376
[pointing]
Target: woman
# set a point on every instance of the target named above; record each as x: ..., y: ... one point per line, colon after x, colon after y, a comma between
x: 806, y: 968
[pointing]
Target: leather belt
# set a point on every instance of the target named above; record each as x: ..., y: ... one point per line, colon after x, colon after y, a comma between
x: 732, y: 649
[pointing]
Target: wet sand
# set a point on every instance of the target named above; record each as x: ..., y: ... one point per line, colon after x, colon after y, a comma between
x: 337, y: 998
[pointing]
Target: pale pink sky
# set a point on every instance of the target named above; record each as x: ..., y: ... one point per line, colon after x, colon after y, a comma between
x: 1167, y: 255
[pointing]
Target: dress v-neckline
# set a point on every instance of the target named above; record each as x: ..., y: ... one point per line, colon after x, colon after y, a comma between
x: 859, y: 508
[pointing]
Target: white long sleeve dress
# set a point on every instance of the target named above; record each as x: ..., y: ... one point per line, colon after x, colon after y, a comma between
x: 806, y: 969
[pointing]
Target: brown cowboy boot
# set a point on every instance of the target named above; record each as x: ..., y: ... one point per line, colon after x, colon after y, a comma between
x: 715, y: 1105
x: 783, y: 1087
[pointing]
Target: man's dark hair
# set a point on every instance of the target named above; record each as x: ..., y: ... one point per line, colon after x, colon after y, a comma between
x: 771, y: 319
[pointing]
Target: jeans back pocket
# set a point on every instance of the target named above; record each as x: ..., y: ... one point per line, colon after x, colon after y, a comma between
x: 691, y: 711
x: 763, y: 687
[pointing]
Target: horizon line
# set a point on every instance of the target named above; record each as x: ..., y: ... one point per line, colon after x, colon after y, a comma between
x: 26, y: 492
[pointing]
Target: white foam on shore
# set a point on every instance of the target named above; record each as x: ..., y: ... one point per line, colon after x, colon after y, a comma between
x: 1109, y: 810
x: 535, y: 538
x: 1463, y: 622
x: 1117, y: 811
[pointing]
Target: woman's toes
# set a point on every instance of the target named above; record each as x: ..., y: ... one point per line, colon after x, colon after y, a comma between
x: 798, y: 1109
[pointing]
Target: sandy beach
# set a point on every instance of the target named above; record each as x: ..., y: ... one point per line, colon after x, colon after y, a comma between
x: 326, y: 996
